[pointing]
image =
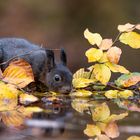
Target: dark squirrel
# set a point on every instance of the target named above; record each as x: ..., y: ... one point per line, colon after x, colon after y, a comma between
x: 57, y: 77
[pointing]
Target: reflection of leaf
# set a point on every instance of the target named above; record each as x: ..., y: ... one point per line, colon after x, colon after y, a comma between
x: 92, y: 130
x: 116, y: 68
x: 101, y: 112
x: 134, y: 138
x: 26, y: 99
x: 113, y: 54
x: 94, y: 55
x: 106, y: 44
x: 127, y: 80
x: 131, y: 38
x: 126, y: 28
x: 33, y: 109
x: 81, y: 82
x: 112, y: 130
x: 93, y: 38
x: 125, y: 94
x: 111, y: 94
x: 81, y: 93
x: 102, y: 137
x: 102, y: 73
x: 19, y: 73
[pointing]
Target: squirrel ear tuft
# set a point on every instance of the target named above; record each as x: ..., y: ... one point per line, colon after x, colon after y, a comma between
x: 63, y: 57
x: 50, y: 59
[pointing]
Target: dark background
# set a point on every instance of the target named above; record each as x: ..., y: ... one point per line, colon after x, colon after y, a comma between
x: 60, y: 23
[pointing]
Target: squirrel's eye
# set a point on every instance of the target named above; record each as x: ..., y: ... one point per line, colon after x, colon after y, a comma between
x: 57, y: 78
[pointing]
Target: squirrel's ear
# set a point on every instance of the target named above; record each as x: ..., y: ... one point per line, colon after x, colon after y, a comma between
x: 50, y: 59
x: 63, y: 57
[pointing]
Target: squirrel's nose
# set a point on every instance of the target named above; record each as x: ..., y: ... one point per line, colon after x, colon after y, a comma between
x: 66, y: 89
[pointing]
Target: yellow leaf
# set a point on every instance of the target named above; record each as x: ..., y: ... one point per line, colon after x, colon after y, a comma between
x: 81, y: 82
x: 125, y: 94
x: 111, y: 94
x: 81, y: 93
x: 126, y: 28
x: 134, y: 138
x: 92, y: 130
x: 101, y: 112
x: 26, y: 98
x: 33, y: 109
x: 131, y: 38
x: 115, y: 117
x: 106, y: 44
x: 102, y: 137
x: 112, y: 130
x: 93, y: 38
x: 116, y: 68
x: 8, y: 97
x: 102, y: 73
x: 104, y: 58
x: 101, y: 125
x: 113, y: 54
x: 93, y: 54
x: 18, y: 72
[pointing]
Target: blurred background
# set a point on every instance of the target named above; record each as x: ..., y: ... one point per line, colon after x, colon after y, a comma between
x: 60, y: 23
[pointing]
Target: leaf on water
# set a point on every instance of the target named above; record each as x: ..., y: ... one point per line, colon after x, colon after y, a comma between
x: 131, y: 38
x: 19, y: 72
x: 93, y: 38
x: 27, y: 99
x: 113, y: 54
x: 102, y: 137
x: 106, y: 44
x: 92, y: 130
x: 134, y: 138
x: 81, y: 82
x: 102, y: 73
x: 8, y: 96
x: 126, y: 27
x: 101, y: 112
x: 81, y: 93
x: 137, y: 26
x: 33, y: 109
x: 125, y: 94
x: 111, y: 94
x: 104, y: 58
x: 112, y: 130
x: 93, y: 54
x: 127, y: 80
x: 116, y: 68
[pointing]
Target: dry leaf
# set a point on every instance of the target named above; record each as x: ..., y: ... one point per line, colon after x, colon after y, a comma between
x: 113, y: 54
x: 111, y: 94
x: 106, y: 44
x: 102, y: 137
x: 125, y: 94
x: 81, y: 93
x: 93, y: 38
x: 19, y: 73
x: 126, y: 28
x: 134, y: 138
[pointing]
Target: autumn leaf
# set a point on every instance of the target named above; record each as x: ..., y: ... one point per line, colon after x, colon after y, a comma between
x: 102, y: 137
x: 81, y: 93
x: 125, y: 94
x: 1, y: 75
x: 113, y: 54
x: 19, y: 73
x: 93, y: 38
x: 131, y: 38
x: 127, y: 80
x: 116, y: 68
x: 112, y: 130
x: 102, y: 73
x: 111, y: 94
x: 101, y: 112
x: 92, y: 130
x: 33, y: 109
x: 93, y: 54
x: 106, y: 44
x: 27, y: 99
x: 126, y: 27
x: 134, y: 138
x: 104, y: 58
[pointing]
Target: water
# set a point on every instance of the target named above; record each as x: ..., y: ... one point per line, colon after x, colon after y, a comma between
x: 62, y: 120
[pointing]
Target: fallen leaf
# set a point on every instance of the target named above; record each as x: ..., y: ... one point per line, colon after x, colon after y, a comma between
x: 111, y: 94
x: 33, y: 109
x: 106, y: 44
x: 131, y: 38
x: 93, y: 38
x: 113, y: 54
x: 92, y: 130
x: 93, y: 54
x: 102, y: 137
x: 125, y: 94
x: 126, y: 27
x: 104, y: 58
x: 134, y: 138
x: 102, y: 73
x: 19, y: 73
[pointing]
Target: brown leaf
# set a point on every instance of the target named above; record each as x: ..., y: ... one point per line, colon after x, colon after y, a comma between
x: 113, y: 54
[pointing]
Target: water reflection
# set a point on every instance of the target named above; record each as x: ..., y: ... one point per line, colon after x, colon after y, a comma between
x: 71, y: 118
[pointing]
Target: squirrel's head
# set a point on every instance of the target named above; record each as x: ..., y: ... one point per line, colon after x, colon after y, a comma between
x: 58, y: 77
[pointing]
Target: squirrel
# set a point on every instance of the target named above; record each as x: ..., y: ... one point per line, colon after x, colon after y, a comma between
x: 55, y: 76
